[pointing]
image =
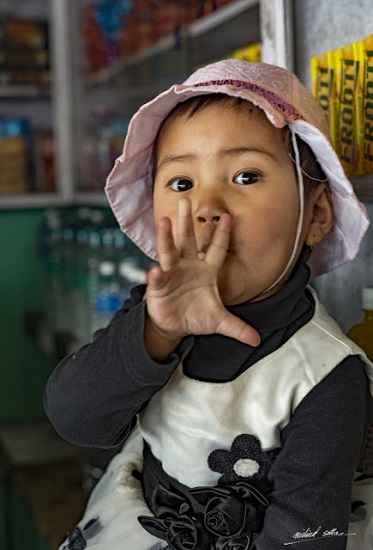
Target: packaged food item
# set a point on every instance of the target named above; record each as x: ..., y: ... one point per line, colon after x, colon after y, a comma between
x: 367, y: 52
x: 350, y: 119
x: 168, y: 17
x: 252, y: 52
x: 24, y: 53
x: 20, y: 32
x: 13, y: 165
x: 45, y: 161
x: 324, y: 88
x: 14, y: 156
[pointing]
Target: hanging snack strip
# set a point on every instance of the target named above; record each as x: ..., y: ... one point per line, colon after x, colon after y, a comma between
x: 342, y: 82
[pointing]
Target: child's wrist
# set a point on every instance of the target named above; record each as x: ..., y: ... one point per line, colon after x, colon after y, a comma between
x: 159, y: 343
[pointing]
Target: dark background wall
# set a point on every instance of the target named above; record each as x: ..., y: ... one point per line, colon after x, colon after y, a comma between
x: 24, y: 368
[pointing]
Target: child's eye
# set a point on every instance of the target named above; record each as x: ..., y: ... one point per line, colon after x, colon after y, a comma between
x: 181, y: 184
x: 246, y: 178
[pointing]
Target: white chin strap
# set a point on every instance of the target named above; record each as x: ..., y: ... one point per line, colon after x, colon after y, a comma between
x: 301, y: 214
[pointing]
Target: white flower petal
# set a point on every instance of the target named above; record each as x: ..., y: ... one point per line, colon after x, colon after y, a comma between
x: 245, y: 467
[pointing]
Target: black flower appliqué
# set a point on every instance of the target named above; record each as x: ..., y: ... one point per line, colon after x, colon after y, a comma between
x: 245, y: 461
x: 77, y: 540
x: 212, y: 518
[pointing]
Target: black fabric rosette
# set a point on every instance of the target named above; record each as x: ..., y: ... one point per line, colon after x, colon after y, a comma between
x: 231, y: 517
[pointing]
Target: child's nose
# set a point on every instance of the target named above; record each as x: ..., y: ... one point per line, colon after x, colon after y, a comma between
x: 212, y: 219
x: 210, y: 211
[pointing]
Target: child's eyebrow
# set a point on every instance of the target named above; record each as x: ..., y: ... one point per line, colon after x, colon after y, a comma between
x: 234, y: 151
x: 171, y: 159
x: 237, y: 151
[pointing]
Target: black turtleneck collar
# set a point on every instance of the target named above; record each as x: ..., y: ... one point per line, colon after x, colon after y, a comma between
x: 217, y: 358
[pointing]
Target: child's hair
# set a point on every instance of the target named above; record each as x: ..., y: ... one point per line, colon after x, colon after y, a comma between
x: 311, y: 170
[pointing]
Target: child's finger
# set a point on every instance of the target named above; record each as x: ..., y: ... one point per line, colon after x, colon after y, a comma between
x: 155, y: 277
x: 186, y: 239
x: 168, y: 254
x: 218, y: 248
x: 234, y: 327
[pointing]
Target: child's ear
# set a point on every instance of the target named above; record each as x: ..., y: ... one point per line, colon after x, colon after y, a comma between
x: 321, y: 215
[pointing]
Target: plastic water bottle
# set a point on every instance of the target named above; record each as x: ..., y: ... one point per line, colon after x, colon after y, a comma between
x: 130, y: 274
x: 108, y: 298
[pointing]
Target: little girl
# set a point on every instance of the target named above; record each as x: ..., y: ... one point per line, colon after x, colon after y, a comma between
x: 242, y: 404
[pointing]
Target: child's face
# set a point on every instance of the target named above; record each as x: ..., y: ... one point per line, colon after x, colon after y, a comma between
x: 232, y: 160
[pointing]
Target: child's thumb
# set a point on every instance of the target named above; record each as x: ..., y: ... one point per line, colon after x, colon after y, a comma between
x: 232, y: 326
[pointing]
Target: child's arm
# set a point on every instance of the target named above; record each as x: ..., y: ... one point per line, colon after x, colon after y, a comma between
x: 182, y: 295
x: 313, y: 473
x: 94, y: 394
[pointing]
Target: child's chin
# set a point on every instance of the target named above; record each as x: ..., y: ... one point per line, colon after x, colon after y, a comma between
x: 231, y: 295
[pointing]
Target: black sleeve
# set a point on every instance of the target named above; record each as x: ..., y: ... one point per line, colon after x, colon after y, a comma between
x: 94, y: 394
x: 313, y: 473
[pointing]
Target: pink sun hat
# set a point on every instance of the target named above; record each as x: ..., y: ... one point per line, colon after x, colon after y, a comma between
x: 285, y: 101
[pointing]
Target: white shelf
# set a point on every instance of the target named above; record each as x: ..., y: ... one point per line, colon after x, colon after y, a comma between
x: 105, y: 75
x: 27, y: 91
x: 93, y: 198
x: 46, y: 200
x: 35, y: 200
x: 219, y: 17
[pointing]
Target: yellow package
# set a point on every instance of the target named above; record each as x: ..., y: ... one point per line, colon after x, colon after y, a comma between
x: 367, y: 52
x: 323, y: 75
x: 13, y: 165
x: 253, y: 52
x: 350, y: 119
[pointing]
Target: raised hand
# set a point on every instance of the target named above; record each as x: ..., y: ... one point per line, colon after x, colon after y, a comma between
x: 182, y: 295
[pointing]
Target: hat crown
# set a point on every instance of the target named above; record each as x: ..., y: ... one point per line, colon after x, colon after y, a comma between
x: 280, y: 87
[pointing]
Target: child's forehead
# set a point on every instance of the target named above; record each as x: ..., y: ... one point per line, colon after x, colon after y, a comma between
x: 197, y: 107
x: 205, y: 113
x: 224, y: 102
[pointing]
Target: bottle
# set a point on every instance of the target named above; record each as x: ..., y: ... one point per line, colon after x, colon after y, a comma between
x: 130, y: 274
x: 362, y: 332
x: 108, y: 297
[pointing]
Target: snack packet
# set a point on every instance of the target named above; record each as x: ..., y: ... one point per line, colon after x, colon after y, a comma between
x: 367, y: 52
x: 323, y: 75
x: 350, y: 119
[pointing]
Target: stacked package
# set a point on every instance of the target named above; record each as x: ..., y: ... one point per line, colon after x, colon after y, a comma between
x: 342, y: 82
x: 24, y: 55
